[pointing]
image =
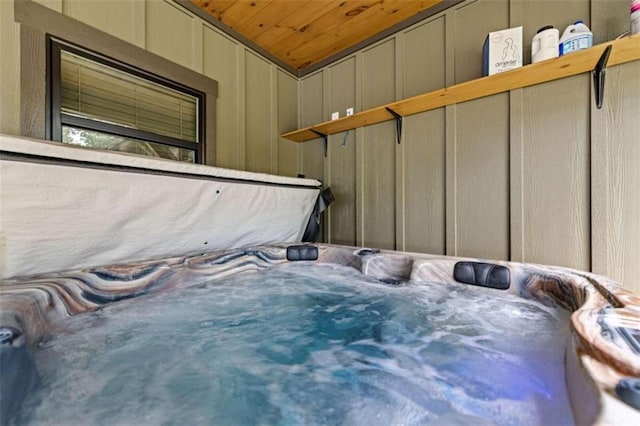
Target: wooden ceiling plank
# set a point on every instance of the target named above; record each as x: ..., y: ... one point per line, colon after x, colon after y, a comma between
x: 292, y: 23
x: 214, y: 8
x: 275, y: 13
x: 329, y: 20
x: 352, y: 32
x: 241, y: 11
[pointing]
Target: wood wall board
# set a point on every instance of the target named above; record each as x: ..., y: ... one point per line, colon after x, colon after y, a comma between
x: 378, y: 79
x: 377, y: 155
x: 33, y: 87
x: 9, y: 71
x: 341, y: 216
x: 623, y: 51
x: 424, y: 58
x: 516, y: 165
x: 424, y: 208
x: 287, y: 90
x: 258, y: 113
x: 555, y: 174
x: 311, y: 110
x: 378, y: 202
x: 217, y: 46
x: 176, y: 45
x: 112, y: 17
x: 473, y: 21
x: 609, y: 19
x: 482, y: 178
x: 341, y: 159
x: 615, y: 172
x: 56, y: 5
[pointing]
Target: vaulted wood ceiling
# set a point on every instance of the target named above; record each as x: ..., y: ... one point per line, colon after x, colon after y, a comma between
x: 302, y: 33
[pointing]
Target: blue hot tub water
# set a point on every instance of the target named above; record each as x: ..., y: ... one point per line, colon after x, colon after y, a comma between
x: 301, y: 344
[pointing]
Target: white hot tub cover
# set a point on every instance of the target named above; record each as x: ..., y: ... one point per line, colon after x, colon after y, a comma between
x: 64, y: 207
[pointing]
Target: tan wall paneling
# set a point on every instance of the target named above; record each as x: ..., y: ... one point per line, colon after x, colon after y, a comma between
x: 287, y: 96
x: 311, y: 111
x: 609, y: 19
x: 424, y: 171
x: 555, y: 173
x: 378, y: 78
x: 342, y: 159
x: 422, y: 205
x: 482, y: 178
x: 33, y: 83
x: 221, y: 64
x: 377, y: 150
x: 423, y: 58
x: 116, y: 17
x: 473, y: 21
x: 616, y: 177
x: 258, y: 113
x: 478, y: 196
x: 170, y: 32
x: 9, y: 71
x: 51, y: 4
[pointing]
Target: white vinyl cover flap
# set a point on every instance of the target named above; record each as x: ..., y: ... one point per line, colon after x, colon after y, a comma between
x: 58, y: 216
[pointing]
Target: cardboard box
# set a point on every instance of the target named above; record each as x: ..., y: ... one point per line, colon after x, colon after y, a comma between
x: 502, y: 51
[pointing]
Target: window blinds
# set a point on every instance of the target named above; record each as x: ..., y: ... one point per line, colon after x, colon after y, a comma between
x: 96, y: 91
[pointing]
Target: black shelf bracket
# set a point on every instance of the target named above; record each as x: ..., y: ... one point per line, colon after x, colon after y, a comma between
x: 598, y: 76
x: 398, y: 119
x: 325, y: 138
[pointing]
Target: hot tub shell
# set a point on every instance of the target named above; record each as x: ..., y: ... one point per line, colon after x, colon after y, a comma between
x: 226, y: 237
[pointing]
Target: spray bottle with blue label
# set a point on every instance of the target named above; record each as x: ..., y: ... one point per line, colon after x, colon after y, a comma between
x: 576, y: 37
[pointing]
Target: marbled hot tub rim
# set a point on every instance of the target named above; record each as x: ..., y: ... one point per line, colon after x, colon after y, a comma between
x: 595, y: 359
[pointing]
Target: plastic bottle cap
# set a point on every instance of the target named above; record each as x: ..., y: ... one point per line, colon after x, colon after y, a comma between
x: 545, y: 28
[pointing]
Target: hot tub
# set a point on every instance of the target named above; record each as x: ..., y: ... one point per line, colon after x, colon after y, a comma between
x: 143, y: 291
x: 45, y: 316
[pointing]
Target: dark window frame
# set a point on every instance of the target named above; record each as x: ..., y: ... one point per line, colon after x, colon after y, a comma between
x: 55, y: 118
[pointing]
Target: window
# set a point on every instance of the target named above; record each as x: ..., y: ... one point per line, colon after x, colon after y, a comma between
x: 95, y: 101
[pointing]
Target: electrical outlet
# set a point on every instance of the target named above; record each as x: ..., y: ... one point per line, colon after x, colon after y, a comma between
x: 335, y: 115
x: 349, y: 112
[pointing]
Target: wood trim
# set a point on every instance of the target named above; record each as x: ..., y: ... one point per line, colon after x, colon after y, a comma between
x: 624, y: 50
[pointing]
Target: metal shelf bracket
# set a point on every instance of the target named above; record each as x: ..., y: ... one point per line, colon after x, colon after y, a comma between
x: 324, y: 137
x: 398, y: 119
x: 598, y: 76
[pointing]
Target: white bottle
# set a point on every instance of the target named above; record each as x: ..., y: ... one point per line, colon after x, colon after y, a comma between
x: 635, y: 17
x: 545, y: 44
x: 576, y: 37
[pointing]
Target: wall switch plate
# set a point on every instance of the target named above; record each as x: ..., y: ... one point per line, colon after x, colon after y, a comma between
x: 335, y: 115
x: 349, y: 112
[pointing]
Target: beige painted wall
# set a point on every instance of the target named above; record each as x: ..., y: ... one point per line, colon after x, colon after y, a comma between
x: 256, y: 100
x: 535, y: 175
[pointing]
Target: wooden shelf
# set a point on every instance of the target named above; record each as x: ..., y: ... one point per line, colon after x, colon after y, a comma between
x: 623, y: 50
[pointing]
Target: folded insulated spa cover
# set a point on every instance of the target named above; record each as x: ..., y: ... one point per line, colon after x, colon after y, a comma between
x: 64, y: 207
